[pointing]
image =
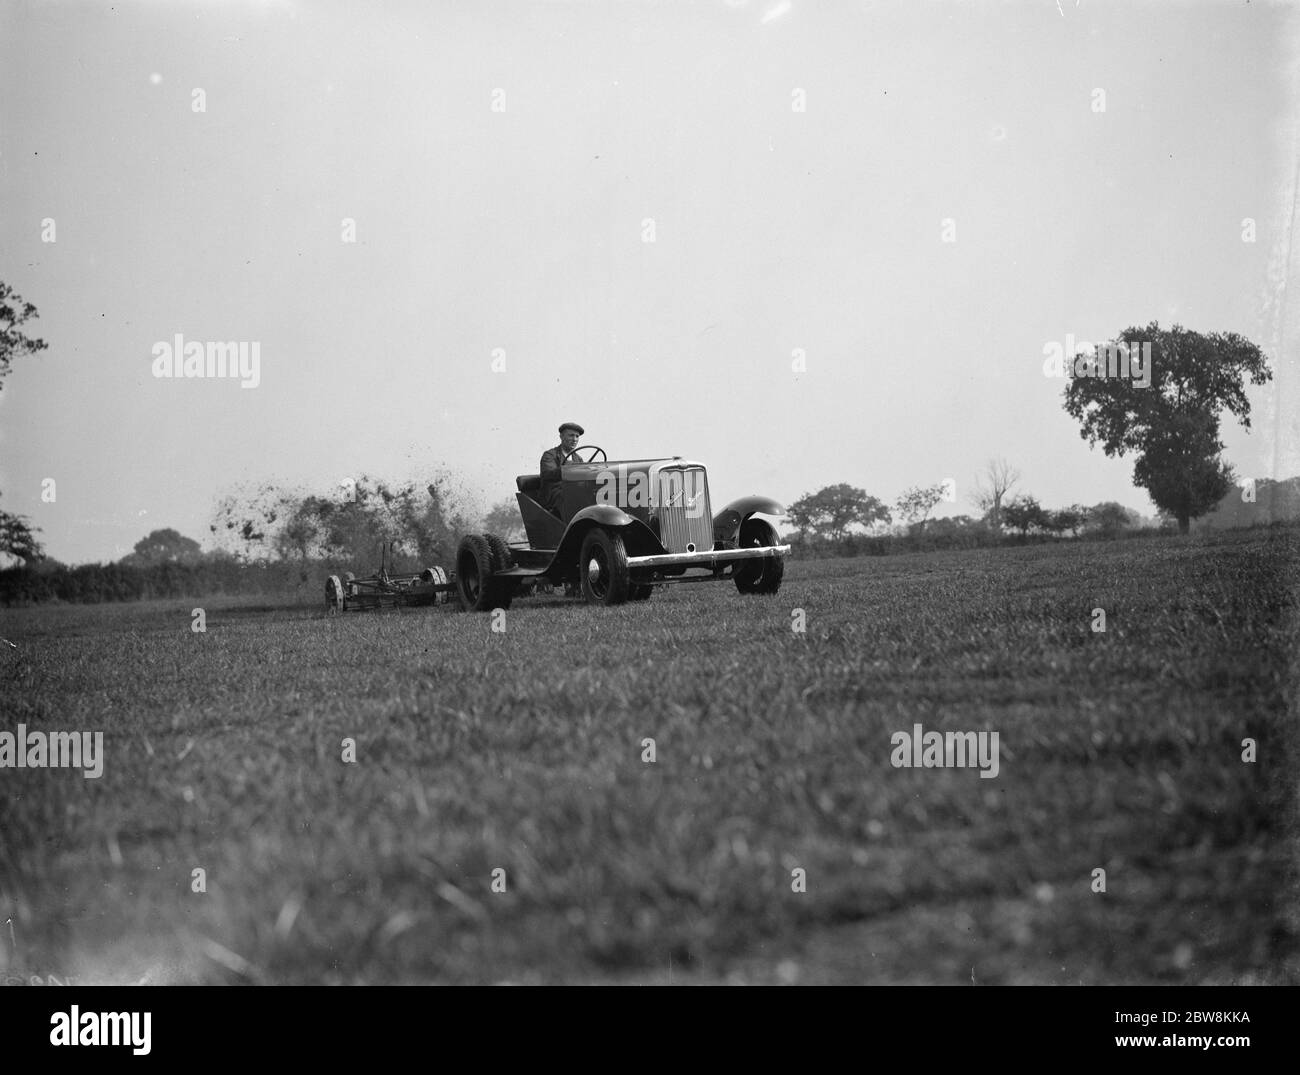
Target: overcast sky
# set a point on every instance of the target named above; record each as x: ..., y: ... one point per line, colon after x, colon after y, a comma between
x: 501, y: 163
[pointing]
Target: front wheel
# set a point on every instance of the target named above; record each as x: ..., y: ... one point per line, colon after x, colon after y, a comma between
x: 602, y: 568
x: 761, y: 576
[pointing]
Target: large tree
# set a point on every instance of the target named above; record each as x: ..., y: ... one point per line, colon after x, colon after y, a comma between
x: 17, y: 535
x: 14, y: 312
x: 832, y: 510
x: 18, y: 538
x: 1169, y: 414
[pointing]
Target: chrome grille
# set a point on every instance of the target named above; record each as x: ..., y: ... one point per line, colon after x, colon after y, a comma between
x: 684, y: 512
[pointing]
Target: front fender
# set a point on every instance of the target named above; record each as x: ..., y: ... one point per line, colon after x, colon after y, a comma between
x: 726, y: 524
x: 604, y: 514
x: 639, y: 539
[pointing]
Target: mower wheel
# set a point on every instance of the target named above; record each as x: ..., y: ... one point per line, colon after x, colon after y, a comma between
x: 335, y: 600
x: 438, y: 577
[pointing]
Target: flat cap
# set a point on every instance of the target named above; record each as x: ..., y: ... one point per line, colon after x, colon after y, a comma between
x: 572, y: 425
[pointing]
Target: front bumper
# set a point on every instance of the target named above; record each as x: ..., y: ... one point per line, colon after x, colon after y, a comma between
x: 709, y: 559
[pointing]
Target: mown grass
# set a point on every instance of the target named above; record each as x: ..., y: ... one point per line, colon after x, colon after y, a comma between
x: 522, y: 750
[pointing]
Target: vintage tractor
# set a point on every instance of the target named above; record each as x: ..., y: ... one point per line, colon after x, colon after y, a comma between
x: 614, y: 531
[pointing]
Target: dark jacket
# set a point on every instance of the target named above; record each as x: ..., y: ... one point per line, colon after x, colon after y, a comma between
x: 550, y: 470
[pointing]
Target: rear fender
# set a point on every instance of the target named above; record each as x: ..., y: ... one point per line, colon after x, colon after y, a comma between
x: 726, y: 524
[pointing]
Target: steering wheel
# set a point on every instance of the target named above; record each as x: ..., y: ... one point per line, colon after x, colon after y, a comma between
x: 593, y: 448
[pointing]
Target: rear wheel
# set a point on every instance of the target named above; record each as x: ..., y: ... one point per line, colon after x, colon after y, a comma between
x: 602, y: 568
x: 763, y: 575
x: 476, y: 581
x: 502, y: 558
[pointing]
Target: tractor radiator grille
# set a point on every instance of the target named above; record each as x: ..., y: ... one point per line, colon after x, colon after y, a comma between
x: 684, y: 513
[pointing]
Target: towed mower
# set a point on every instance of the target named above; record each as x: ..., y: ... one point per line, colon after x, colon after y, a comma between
x: 432, y: 586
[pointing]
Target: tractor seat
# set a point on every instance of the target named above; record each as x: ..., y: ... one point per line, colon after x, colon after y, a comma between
x: 529, y: 483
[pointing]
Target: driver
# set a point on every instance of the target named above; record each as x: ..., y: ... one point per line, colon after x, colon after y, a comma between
x: 555, y: 458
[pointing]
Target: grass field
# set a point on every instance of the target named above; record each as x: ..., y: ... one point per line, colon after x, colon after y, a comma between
x: 522, y: 751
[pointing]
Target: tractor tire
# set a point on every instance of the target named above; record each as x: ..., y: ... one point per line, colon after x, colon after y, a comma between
x: 476, y: 582
x: 602, y: 567
x: 335, y: 600
x: 758, y: 576
x: 502, y: 559
x: 639, y: 591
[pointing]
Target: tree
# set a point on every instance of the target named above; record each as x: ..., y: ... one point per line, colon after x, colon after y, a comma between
x: 164, y: 547
x: 505, y: 521
x: 832, y: 510
x: 1171, y: 422
x: 991, y: 489
x: 1182, y: 470
x: 916, y: 503
x: 1024, y: 513
x: 17, y: 535
x: 14, y: 312
x: 18, y: 538
x: 1110, y: 519
x: 1071, y: 519
x: 954, y: 524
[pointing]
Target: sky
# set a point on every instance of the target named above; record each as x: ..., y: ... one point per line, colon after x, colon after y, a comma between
x: 802, y: 243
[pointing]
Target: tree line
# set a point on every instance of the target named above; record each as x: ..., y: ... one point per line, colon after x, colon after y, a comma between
x: 824, y: 522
